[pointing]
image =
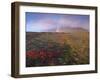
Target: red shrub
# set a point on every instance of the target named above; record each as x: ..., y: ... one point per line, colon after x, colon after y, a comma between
x: 32, y: 54
x: 42, y: 54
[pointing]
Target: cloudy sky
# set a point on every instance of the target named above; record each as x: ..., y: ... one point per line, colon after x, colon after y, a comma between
x: 44, y: 22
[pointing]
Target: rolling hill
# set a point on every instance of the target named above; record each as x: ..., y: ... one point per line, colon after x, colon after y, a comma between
x: 75, y: 41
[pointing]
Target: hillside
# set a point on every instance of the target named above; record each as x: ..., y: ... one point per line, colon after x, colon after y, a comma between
x: 73, y: 47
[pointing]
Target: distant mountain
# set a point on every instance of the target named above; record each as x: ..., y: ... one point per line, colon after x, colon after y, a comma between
x: 67, y: 29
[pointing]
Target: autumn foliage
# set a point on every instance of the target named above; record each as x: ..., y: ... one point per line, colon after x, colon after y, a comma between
x: 51, y: 49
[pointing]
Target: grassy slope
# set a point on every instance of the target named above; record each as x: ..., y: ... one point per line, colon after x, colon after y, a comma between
x: 78, y: 40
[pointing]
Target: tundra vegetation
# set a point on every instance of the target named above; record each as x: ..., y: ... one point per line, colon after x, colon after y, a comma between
x: 57, y: 48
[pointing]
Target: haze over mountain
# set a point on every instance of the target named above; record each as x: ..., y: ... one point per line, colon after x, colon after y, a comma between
x: 43, y: 22
x: 67, y: 29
